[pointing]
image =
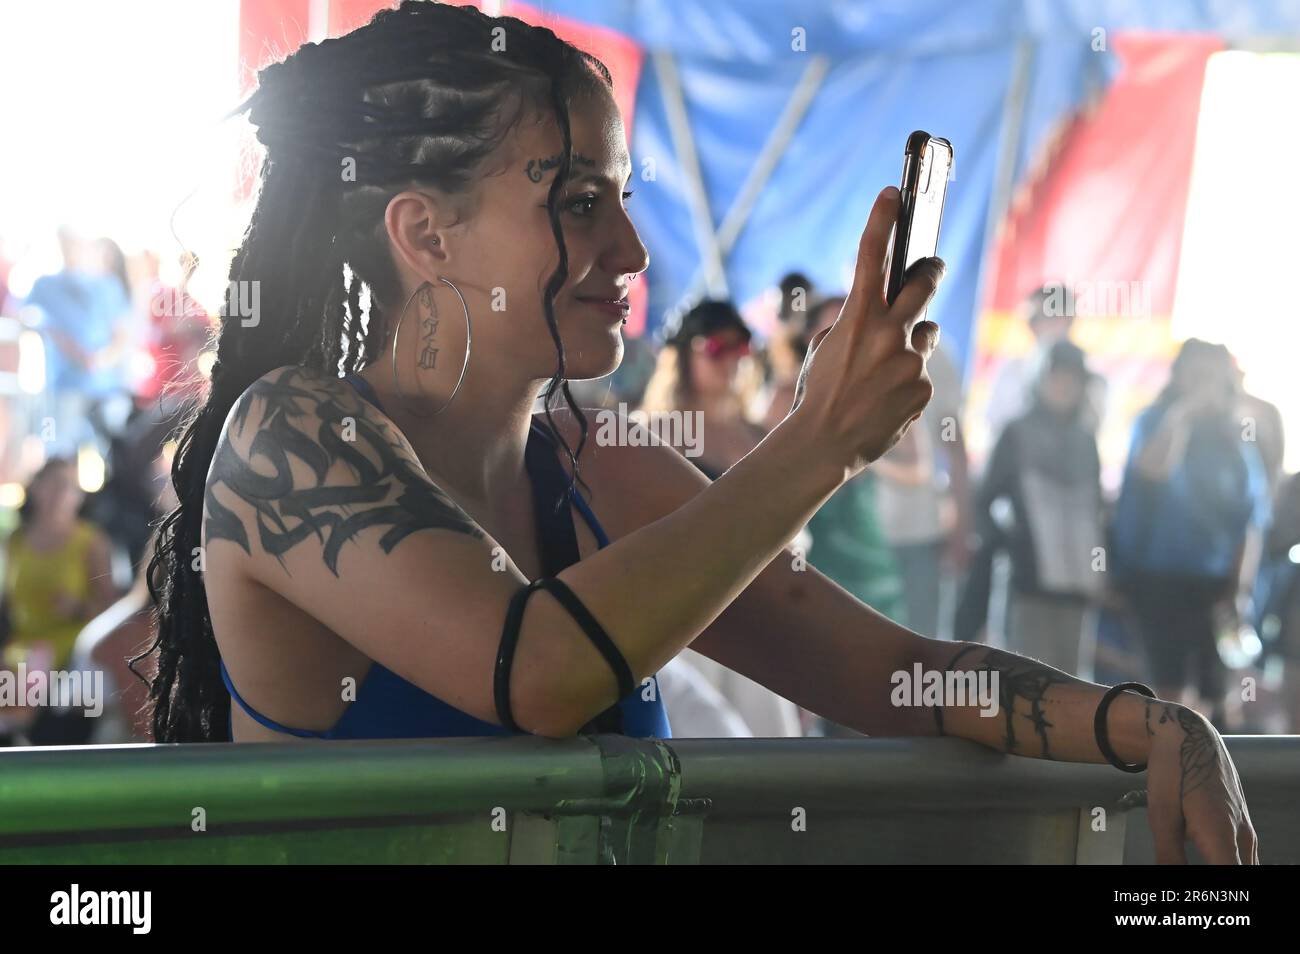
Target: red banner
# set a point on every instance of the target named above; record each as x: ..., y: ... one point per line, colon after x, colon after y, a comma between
x: 1104, y: 213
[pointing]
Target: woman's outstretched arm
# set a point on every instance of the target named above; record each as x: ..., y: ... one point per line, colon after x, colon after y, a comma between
x: 806, y: 638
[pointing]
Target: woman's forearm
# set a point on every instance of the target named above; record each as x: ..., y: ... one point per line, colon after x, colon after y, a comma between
x: 1024, y: 707
x: 657, y: 588
x: 1045, y: 713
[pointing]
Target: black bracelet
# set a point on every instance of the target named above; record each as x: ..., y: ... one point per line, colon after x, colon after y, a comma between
x: 1099, y: 725
x: 593, y: 630
x: 506, y: 655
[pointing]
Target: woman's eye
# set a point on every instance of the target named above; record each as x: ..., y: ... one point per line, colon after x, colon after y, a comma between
x: 583, y: 204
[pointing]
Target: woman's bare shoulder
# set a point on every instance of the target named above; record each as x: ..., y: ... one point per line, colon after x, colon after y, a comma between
x: 292, y: 382
x: 312, y: 402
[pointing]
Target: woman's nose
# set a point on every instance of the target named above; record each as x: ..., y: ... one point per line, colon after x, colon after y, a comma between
x: 627, y: 254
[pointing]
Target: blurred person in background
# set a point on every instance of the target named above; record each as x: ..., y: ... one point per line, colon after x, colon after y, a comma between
x: 114, y: 403
x: 180, y: 330
x: 111, y: 264
x: 698, y: 372
x: 6, y: 266
x: 177, y: 333
x: 1049, y: 312
x: 700, y: 710
x: 124, y: 631
x: 1279, y: 594
x: 1265, y: 421
x: 1188, y: 523
x: 923, y: 496
x: 78, y: 311
x: 1046, y: 466
x: 57, y: 578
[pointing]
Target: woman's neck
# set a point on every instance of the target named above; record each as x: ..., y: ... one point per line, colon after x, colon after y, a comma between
x: 473, y: 448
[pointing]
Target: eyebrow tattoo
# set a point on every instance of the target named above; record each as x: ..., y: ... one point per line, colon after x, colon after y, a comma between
x: 537, y: 168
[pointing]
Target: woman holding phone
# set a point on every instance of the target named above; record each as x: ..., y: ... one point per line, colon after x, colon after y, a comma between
x: 351, y: 556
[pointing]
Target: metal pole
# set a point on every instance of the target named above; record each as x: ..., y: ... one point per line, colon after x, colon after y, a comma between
x: 768, y: 158
x: 697, y: 199
x: 1013, y: 121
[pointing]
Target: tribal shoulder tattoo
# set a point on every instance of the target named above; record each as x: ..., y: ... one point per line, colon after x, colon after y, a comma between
x: 301, y: 414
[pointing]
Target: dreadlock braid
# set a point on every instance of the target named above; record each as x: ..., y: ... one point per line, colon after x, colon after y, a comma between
x: 422, y: 94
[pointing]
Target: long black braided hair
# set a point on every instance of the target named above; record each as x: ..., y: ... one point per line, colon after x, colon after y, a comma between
x: 422, y: 94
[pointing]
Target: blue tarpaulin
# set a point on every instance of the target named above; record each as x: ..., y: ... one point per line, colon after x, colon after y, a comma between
x: 894, y: 66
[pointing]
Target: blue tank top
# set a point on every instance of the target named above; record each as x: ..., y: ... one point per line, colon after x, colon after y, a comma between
x: 389, y: 707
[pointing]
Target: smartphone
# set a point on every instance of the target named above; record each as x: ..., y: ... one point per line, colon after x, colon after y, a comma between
x: 927, y: 164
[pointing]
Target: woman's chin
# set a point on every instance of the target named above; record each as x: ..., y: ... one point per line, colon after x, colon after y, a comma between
x: 593, y: 358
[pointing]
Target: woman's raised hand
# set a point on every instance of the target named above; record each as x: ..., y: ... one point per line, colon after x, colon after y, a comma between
x: 864, y: 380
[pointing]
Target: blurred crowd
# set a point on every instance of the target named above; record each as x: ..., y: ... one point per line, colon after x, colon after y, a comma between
x: 101, y: 361
x: 1185, y: 579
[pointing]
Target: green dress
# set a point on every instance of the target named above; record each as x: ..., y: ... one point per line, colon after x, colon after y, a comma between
x: 848, y: 546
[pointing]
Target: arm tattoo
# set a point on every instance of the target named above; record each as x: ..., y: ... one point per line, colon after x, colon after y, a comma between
x: 537, y: 168
x: 1166, y: 714
x: 390, y: 490
x: 1022, y: 683
x: 938, y: 710
x: 1198, y: 755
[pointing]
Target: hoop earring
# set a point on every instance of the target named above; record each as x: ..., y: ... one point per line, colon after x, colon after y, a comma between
x: 468, y: 334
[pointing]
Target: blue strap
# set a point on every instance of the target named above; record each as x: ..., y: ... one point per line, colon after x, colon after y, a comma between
x: 585, y: 509
x: 258, y: 717
x: 365, y: 389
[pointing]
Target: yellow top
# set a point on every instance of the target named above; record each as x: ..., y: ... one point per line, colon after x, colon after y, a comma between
x: 33, y: 584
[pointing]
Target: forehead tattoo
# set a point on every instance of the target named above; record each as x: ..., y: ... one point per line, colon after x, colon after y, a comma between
x: 537, y: 168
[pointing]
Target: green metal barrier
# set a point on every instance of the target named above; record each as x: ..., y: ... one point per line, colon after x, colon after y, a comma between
x: 605, y: 799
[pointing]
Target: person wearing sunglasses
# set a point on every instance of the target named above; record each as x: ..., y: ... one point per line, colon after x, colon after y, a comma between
x: 702, y: 371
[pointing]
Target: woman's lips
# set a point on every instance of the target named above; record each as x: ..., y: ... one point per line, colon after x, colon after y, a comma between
x: 618, y: 307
